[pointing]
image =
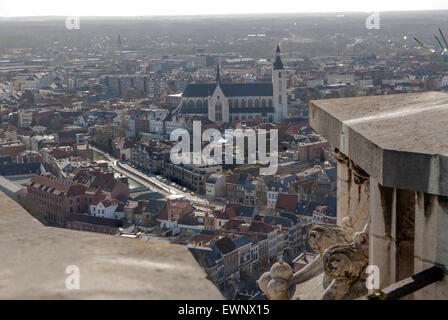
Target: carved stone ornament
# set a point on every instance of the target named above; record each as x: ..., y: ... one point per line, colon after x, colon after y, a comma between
x: 359, y: 175
x: 343, y: 263
x: 341, y: 158
x: 342, y: 252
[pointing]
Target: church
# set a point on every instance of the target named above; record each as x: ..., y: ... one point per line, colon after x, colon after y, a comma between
x: 226, y: 102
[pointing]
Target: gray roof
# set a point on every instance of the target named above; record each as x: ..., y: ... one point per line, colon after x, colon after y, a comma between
x: 241, y: 241
x: 285, y: 222
x: 213, y: 177
x: 246, y: 211
x: 262, y: 89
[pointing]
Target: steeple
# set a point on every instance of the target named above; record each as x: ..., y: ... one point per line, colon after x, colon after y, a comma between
x: 278, y: 64
x: 218, y: 77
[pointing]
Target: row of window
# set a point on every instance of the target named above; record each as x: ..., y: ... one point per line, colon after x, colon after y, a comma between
x: 234, y: 103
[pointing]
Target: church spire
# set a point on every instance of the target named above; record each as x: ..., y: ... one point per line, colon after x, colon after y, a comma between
x: 278, y: 64
x: 218, y: 77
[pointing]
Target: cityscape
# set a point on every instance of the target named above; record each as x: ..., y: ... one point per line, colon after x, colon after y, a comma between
x: 350, y: 106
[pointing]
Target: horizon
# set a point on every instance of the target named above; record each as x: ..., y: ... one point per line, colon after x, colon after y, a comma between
x: 224, y: 15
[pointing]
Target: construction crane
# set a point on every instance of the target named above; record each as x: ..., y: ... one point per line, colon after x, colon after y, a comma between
x: 444, y: 49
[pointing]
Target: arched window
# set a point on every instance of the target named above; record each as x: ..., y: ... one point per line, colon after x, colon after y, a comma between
x: 191, y: 104
x: 243, y: 117
x: 236, y: 117
x: 230, y: 103
x: 270, y: 102
x: 218, y: 111
x: 257, y: 103
x: 271, y: 119
x: 250, y: 103
x: 199, y: 104
x: 206, y: 103
x: 243, y: 103
x: 263, y: 103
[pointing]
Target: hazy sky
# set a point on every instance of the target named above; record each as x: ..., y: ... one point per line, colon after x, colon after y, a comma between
x: 14, y: 8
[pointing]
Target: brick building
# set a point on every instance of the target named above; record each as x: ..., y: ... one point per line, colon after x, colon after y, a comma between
x: 58, y: 198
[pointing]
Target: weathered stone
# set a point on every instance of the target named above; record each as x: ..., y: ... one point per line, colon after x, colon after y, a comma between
x: 35, y: 258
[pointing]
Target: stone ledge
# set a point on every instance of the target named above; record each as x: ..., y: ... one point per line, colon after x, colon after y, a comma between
x: 398, y: 139
x: 35, y: 257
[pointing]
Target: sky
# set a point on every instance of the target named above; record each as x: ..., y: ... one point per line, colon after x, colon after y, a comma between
x: 20, y: 8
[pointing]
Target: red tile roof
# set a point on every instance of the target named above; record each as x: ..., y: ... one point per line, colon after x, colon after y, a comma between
x: 175, y: 209
x: 287, y: 201
x: 51, y: 181
x: 233, y: 178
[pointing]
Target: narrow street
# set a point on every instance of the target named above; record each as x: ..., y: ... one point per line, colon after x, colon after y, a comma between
x: 150, y: 182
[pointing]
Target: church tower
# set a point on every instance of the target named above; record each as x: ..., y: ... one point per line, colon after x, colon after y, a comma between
x: 218, y: 106
x: 280, y: 96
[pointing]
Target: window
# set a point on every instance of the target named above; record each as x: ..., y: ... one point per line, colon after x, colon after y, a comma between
x: 230, y: 103
x: 270, y: 103
x: 243, y: 103
x: 236, y: 103
x: 263, y: 103
x: 280, y: 99
x: 218, y: 112
x: 257, y: 103
x: 250, y: 104
x: 279, y: 74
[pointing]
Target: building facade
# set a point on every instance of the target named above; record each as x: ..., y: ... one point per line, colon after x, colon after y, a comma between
x: 226, y: 102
